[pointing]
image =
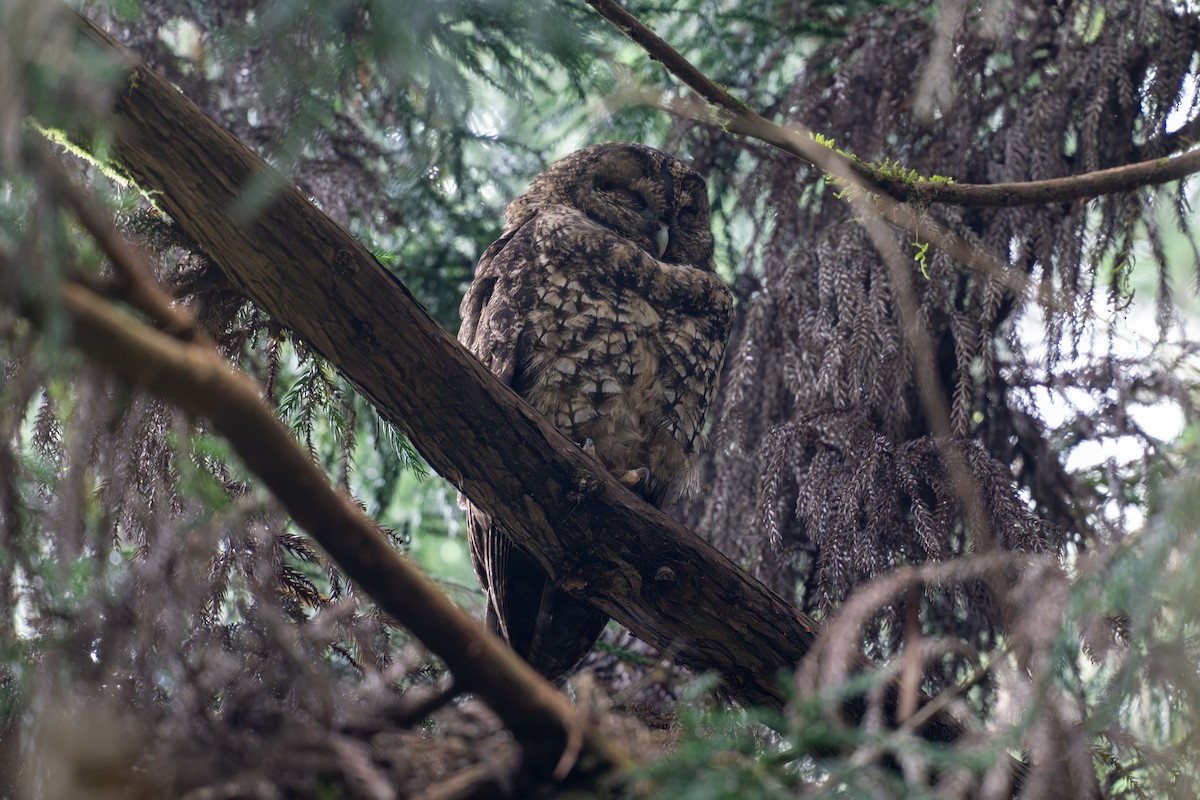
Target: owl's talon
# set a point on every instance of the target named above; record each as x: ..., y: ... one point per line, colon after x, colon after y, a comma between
x: 635, y: 477
x: 588, y: 447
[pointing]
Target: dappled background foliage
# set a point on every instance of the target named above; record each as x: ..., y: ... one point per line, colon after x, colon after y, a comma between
x: 148, y: 579
x: 822, y: 440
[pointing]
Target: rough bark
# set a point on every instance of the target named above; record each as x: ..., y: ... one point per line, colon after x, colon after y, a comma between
x: 596, y: 538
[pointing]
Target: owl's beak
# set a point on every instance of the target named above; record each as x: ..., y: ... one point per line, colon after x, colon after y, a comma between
x: 662, y: 237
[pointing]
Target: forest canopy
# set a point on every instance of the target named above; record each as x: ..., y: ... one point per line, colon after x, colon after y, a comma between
x: 945, y: 541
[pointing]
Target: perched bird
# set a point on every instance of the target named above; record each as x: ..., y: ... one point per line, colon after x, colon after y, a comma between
x: 599, y: 305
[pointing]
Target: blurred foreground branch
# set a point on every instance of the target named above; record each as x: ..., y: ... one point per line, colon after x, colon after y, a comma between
x: 192, y: 376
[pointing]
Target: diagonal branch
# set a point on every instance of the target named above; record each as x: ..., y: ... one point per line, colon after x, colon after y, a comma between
x: 737, y: 117
x: 593, y: 535
x: 183, y: 367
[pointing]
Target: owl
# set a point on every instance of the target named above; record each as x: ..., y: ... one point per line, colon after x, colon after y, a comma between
x: 598, y: 305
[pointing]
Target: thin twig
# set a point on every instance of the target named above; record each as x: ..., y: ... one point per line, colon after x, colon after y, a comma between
x: 408, y: 710
x: 943, y: 701
x: 932, y: 392
x: 736, y: 117
x: 133, y: 281
x: 910, y: 673
x: 828, y: 662
x: 739, y: 118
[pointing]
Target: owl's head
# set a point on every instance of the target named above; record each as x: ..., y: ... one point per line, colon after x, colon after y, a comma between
x: 642, y: 194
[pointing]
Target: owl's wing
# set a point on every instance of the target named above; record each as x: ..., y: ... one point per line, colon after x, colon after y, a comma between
x: 492, y: 317
x: 549, y: 629
x: 494, y: 308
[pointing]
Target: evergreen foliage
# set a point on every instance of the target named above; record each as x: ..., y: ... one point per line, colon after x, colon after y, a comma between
x: 150, y: 589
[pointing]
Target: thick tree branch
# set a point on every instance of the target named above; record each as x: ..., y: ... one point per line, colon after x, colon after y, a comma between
x: 594, y: 537
x: 737, y: 117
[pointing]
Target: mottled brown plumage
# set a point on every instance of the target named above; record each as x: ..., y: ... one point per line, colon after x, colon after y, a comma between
x: 599, y: 305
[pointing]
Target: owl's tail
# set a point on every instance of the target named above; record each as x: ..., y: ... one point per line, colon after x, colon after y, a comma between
x: 547, y: 627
